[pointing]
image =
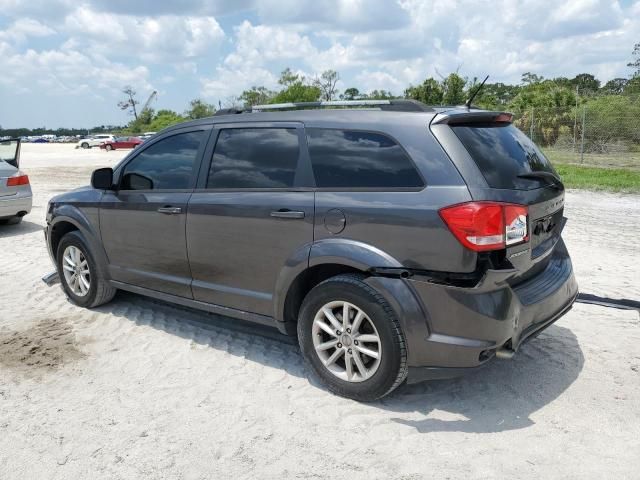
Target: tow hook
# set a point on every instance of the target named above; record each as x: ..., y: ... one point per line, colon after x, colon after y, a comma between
x: 505, y: 353
x: 51, y: 278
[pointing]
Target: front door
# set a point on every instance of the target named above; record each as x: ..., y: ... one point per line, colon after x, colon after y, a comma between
x: 143, y: 222
x: 250, y: 217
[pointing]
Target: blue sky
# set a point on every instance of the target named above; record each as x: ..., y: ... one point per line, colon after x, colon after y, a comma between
x: 64, y: 62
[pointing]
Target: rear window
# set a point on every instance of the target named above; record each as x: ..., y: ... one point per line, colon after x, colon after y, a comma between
x: 502, y: 152
x: 356, y: 159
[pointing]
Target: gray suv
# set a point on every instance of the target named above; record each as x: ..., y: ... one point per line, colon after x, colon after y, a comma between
x: 397, y: 241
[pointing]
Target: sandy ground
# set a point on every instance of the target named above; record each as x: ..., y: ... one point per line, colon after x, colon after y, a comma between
x: 140, y: 389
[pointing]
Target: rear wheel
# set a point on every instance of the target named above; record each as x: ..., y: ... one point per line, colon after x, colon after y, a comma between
x: 81, y: 278
x: 108, y: 148
x: 84, y: 145
x: 351, y: 338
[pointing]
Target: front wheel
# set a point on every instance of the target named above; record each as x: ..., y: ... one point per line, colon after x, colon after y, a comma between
x: 80, y: 276
x: 108, y: 148
x: 351, y: 338
x: 84, y: 145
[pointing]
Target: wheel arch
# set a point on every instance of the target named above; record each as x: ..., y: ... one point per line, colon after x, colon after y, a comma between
x: 317, y: 262
x: 68, y: 219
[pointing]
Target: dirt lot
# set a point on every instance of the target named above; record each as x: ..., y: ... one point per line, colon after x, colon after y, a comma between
x: 139, y: 389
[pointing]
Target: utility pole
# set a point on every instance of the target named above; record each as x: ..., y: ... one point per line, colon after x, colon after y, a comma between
x: 575, y: 123
x: 582, y: 140
x: 531, y: 128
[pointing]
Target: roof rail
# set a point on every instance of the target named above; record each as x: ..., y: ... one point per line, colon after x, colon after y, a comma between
x: 401, y: 105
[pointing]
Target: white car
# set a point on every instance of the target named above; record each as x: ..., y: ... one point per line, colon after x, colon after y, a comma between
x: 95, y: 140
x: 15, y: 190
x: 146, y: 136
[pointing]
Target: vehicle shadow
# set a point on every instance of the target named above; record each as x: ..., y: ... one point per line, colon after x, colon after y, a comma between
x: 257, y: 343
x: 23, y: 228
x: 501, y: 396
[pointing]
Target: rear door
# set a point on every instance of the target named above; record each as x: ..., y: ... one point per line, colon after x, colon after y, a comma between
x: 500, y: 163
x: 143, y: 221
x: 252, y: 211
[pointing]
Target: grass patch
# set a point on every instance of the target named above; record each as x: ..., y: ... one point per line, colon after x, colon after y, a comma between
x: 596, y: 178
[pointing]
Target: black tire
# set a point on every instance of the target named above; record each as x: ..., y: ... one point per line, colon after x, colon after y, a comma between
x: 392, y: 370
x: 100, y: 291
x: 84, y: 145
x: 108, y: 148
x: 11, y: 221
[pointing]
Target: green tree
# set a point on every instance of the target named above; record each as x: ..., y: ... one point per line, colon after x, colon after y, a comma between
x: 164, y: 119
x: 453, y: 87
x: 130, y: 102
x: 529, y: 78
x: 256, y: 96
x: 605, y: 128
x: 350, y: 94
x: 297, y: 92
x: 587, y: 83
x: 549, y: 106
x: 288, y: 78
x: 615, y: 86
x: 327, y: 84
x: 199, y: 109
x: 430, y: 92
x: 379, y: 95
x: 296, y: 89
x: 635, y: 63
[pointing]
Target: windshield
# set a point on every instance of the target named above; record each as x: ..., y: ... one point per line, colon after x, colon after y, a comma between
x: 502, y: 152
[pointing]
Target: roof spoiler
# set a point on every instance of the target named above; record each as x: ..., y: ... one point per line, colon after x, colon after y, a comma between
x: 457, y: 117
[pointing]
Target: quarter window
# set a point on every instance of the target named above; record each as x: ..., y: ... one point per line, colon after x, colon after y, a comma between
x: 356, y: 159
x: 255, y: 158
x: 167, y: 164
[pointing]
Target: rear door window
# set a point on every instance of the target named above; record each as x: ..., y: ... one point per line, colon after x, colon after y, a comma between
x: 358, y: 159
x: 255, y: 158
x: 502, y: 152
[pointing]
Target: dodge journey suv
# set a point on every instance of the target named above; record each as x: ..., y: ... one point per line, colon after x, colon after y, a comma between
x: 396, y: 241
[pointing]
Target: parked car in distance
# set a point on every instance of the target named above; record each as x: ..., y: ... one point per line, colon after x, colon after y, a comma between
x: 121, y: 142
x: 146, y: 136
x: 95, y: 141
x: 15, y: 190
x: 395, y: 242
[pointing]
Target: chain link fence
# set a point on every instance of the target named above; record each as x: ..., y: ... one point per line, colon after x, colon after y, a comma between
x: 586, y: 135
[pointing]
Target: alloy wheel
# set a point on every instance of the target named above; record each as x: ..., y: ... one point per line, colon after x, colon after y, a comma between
x: 76, y: 271
x: 346, y: 341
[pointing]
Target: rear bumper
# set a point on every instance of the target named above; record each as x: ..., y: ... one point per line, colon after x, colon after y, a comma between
x: 466, y: 326
x: 13, y: 205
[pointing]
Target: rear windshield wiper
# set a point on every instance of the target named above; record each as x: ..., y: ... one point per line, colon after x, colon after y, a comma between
x: 549, y: 177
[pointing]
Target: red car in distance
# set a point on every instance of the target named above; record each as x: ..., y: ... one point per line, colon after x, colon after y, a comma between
x: 121, y: 142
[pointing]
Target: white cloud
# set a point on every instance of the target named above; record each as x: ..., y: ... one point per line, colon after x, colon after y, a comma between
x: 257, y: 50
x: 71, y: 72
x: 23, y: 28
x: 153, y: 39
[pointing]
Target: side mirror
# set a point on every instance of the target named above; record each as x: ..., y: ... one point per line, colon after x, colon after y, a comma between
x: 102, y: 179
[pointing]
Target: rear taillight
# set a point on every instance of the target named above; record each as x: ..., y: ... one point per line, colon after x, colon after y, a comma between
x: 482, y: 226
x: 17, y: 180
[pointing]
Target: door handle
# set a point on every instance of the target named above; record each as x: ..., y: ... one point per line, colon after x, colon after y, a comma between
x: 285, y: 213
x: 170, y: 210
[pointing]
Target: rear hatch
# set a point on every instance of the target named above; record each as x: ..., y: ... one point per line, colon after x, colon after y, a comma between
x: 501, y: 164
x: 9, y: 163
